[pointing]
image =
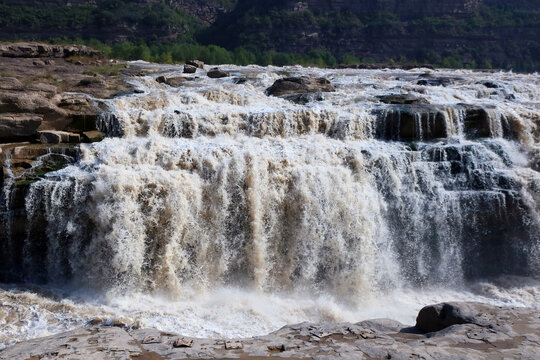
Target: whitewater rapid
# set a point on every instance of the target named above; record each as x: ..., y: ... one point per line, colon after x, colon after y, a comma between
x: 214, y: 210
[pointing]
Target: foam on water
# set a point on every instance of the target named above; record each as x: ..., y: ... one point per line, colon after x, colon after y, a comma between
x: 219, y: 211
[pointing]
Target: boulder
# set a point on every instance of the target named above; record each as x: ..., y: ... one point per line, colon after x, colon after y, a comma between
x: 437, y: 317
x: 402, y: 99
x: 217, y: 73
x: 175, y: 81
x: 19, y: 125
x: 190, y: 69
x: 299, y: 85
x: 197, y: 63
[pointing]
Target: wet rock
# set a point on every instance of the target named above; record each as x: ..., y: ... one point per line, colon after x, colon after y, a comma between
x: 299, y: 85
x: 477, y: 121
x: 217, y: 73
x: 434, y: 82
x: 197, y: 63
x: 411, y: 122
x: 240, y: 80
x: 93, y: 136
x: 402, y: 99
x: 190, y: 69
x: 304, y: 98
x: 29, y: 151
x: 489, y: 84
x: 19, y: 125
x: 175, y: 81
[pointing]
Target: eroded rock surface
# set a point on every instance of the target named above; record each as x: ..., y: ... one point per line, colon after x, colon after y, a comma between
x: 456, y: 331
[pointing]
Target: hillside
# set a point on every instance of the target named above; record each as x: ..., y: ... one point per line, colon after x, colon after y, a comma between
x: 473, y: 33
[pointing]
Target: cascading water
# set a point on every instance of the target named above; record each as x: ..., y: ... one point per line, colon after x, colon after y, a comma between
x: 226, y: 212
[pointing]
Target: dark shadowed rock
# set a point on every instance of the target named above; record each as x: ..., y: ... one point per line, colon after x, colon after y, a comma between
x: 402, y: 99
x: 190, y: 69
x: 19, y: 125
x: 489, y: 84
x: 217, y: 73
x: 57, y: 137
x: 304, y: 98
x: 437, y: 317
x: 411, y: 122
x: 434, y: 82
x: 477, y: 121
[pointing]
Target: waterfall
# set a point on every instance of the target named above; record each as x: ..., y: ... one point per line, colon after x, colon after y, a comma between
x: 215, y: 185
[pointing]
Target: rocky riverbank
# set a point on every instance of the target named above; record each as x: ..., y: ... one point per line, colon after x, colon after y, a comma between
x: 47, y: 98
x: 442, y: 331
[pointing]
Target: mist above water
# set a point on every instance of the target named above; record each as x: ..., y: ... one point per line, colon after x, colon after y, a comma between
x: 226, y: 212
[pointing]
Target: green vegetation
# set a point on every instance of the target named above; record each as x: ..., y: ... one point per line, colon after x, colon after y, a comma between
x: 152, y: 20
x: 268, y: 33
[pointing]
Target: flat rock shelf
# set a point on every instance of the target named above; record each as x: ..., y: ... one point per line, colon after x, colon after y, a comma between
x: 477, y: 331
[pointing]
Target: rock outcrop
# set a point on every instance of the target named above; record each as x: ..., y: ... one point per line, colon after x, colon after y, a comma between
x: 40, y: 50
x: 217, y: 73
x: 300, y: 90
x: 296, y: 85
x: 443, y: 331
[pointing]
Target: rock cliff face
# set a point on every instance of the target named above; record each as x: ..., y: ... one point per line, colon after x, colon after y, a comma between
x: 405, y: 8
x: 501, y: 33
x: 474, y: 31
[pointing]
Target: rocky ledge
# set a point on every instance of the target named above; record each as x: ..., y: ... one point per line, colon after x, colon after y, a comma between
x: 442, y: 331
x: 48, y: 97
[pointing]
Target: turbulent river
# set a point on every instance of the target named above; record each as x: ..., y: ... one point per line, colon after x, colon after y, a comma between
x: 215, y: 210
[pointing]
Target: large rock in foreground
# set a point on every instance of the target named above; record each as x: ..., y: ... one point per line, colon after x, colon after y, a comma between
x: 466, y: 331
